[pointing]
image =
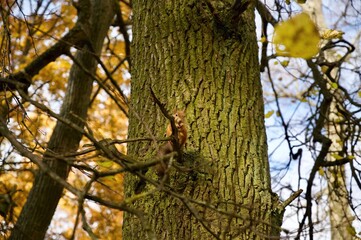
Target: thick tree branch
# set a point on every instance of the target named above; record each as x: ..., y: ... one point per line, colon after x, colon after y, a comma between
x: 265, y: 13
x: 123, y: 29
x: 239, y: 7
x: 76, y: 37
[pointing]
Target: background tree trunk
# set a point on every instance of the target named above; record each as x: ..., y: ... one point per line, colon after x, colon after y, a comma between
x: 338, y: 197
x: 200, y: 60
x: 45, y: 194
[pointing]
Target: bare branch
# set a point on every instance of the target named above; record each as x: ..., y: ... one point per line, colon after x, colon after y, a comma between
x: 291, y: 198
x: 35, y: 159
x: 76, y: 37
x: 122, y: 27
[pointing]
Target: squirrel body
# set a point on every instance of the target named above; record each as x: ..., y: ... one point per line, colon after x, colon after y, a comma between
x: 180, y: 123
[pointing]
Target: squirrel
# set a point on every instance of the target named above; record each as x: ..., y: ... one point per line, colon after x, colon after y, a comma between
x: 180, y: 123
x: 166, y: 148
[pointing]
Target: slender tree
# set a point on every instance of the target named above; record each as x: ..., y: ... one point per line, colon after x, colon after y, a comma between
x: 95, y: 17
x: 339, y: 212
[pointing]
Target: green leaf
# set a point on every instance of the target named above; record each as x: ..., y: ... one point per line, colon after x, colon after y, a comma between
x: 334, y: 85
x: 105, y: 164
x: 336, y: 156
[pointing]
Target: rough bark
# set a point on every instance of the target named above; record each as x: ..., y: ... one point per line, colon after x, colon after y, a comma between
x: 197, y: 57
x: 45, y: 194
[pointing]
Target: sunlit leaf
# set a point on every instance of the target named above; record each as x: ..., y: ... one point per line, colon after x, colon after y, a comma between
x: 285, y: 63
x: 263, y: 39
x: 269, y: 114
x: 109, y: 178
x: 336, y: 156
x: 105, y: 164
x: 334, y: 85
x: 331, y: 34
x: 324, y: 69
x: 321, y: 172
x: 297, y: 37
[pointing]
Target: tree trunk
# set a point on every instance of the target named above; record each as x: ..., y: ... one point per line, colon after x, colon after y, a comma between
x: 45, y: 194
x: 199, y: 58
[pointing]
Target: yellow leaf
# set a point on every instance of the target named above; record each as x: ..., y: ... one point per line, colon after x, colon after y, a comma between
x: 338, y: 120
x: 67, y: 234
x: 109, y: 178
x: 105, y: 164
x: 263, y: 39
x: 331, y: 34
x: 269, y: 114
x: 359, y: 93
x: 321, y: 172
x: 297, y: 37
x: 285, y: 63
x: 334, y: 85
x: 351, y: 157
x: 336, y: 156
x: 324, y: 69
